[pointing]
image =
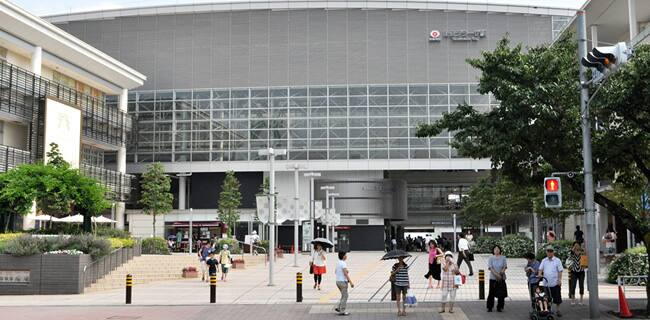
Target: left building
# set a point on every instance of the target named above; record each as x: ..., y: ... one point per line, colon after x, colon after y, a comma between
x: 53, y: 88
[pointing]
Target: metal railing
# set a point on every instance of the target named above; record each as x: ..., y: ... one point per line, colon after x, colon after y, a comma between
x: 253, y: 250
x: 104, y: 265
x: 118, y: 183
x: 21, y: 93
x: 12, y: 157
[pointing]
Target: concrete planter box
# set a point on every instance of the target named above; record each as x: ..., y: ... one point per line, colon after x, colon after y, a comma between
x: 238, y: 264
x: 190, y: 274
x: 43, y: 274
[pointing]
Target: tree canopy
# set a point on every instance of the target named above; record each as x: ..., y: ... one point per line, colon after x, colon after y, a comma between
x: 155, y: 195
x: 229, y: 201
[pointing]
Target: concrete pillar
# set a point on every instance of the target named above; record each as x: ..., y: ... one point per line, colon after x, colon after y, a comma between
x: 634, y: 26
x: 182, y: 192
x: 120, y: 209
x: 37, y: 58
x: 121, y: 164
x: 594, y: 36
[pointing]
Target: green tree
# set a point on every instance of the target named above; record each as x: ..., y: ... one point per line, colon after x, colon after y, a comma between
x: 90, y: 199
x: 155, y: 195
x: 54, y: 156
x: 229, y: 201
x: 536, y: 128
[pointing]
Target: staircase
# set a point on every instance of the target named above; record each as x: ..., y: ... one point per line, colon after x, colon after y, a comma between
x: 149, y: 268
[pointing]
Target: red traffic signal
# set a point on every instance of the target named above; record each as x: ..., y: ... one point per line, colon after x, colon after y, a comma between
x: 552, y: 185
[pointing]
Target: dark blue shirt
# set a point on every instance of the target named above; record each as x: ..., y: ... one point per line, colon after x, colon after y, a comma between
x: 532, y: 277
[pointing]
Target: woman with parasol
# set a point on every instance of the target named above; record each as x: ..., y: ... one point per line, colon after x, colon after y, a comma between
x: 318, y: 261
x: 399, y: 277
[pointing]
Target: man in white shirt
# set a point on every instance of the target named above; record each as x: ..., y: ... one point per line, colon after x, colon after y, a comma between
x: 463, y: 253
x: 551, y: 269
x: 342, y: 281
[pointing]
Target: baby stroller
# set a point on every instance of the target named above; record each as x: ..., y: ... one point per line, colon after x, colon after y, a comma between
x: 537, y: 312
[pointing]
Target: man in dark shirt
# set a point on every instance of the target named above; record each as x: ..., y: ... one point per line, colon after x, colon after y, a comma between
x: 579, y: 235
x: 212, y: 263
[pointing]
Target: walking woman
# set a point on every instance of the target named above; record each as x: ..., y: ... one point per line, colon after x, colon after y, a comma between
x: 497, y: 266
x: 449, y: 271
x: 400, y: 279
x: 318, y: 260
x: 435, y: 259
x: 226, y: 261
x: 577, y: 272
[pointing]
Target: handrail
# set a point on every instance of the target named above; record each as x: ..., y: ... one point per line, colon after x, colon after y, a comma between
x: 252, y: 246
x: 99, y: 268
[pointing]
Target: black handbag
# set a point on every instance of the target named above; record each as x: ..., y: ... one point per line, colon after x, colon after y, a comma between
x: 470, y: 256
x: 311, y: 268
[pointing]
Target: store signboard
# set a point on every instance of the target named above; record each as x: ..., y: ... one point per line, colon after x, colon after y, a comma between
x: 14, y: 276
x: 63, y: 127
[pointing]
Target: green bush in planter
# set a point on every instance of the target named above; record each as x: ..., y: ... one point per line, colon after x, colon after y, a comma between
x: 516, y: 246
x: 96, y: 247
x: 155, y: 245
x: 24, y: 245
x: 484, y: 244
x: 561, y: 247
x: 233, y: 245
x: 632, y: 262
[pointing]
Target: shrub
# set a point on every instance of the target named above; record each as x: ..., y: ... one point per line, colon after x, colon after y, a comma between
x: 484, y: 244
x: 117, y: 243
x: 561, y: 247
x: 155, y: 245
x: 5, y: 238
x: 233, y: 245
x: 632, y: 262
x: 24, y: 245
x: 264, y: 244
x: 516, y: 246
x: 94, y: 246
x: 27, y: 245
x: 113, y: 233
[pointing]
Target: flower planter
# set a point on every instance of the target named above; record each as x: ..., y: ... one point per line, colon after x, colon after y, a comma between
x: 190, y: 274
x: 238, y: 264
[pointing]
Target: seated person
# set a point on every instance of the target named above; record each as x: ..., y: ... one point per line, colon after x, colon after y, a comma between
x: 540, y: 300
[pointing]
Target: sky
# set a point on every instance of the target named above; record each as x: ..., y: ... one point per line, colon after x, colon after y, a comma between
x: 48, y: 7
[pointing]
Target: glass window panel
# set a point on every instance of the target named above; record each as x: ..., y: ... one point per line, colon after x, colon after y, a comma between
x: 259, y: 93
x: 200, y: 157
x: 338, y: 123
x: 259, y: 144
x: 473, y: 89
x: 318, y: 123
x: 279, y: 103
x: 298, y: 92
x: 439, y: 142
x: 398, y: 111
x: 243, y: 124
x: 419, y: 142
x: 482, y: 109
x: 438, y: 110
x: 163, y: 157
x: 380, y: 132
x: 377, y: 101
x: 297, y: 155
x: 418, y: 111
x: 358, y: 122
x: 338, y: 154
x: 438, y: 89
x: 377, y: 90
x: 131, y: 107
x: 221, y: 94
x: 338, y: 133
x: 164, y: 106
x: 181, y: 115
x: 280, y: 144
x: 146, y: 96
x: 298, y: 143
x: 278, y: 123
x: 317, y: 155
x: 200, y: 145
x: 398, y: 122
x: 298, y: 134
x: 338, y: 112
x: 378, y: 143
x: 338, y: 143
x: 318, y: 112
x: 145, y: 106
x: 239, y: 144
x: 398, y: 153
x: 456, y: 100
x: 378, y: 154
x: 358, y: 143
x: 476, y: 99
x: 242, y: 93
x: 458, y: 89
x: 358, y: 91
x: 438, y: 100
x: 256, y: 113
x: 378, y: 122
x: 358, y: 133
x: 318, y: 143
x: 260, y: 103
x: 164, y: 95
x: 239, y: 156
x: 393, y: 90
x: 298, y: 102
x: 358, y: 101
x: 298, y: 123
x: 338, y: 101
x: 183, y: 95
x: 419, y: 154
x: 220, y: 135
x: 220, y: 156
x: 240, y: 103
x: 439, y: 153
x: 398, y: 143
x: 181, y: 157
x: 203, y: 94
x: 414, y: 121
x: 338, y: 91
x: 219, y: 114
x: 145, y: 116
x: 202, y: 104
x: 239, y: 135
x: 358, y: 154
x: 397, y: 100
x: 200, y: 115
x: 221, y: 104
x: 317, y: 101
x: 418, y: 89
x: 358, y: 111
x: 378, y: 111
x: 163, y: 126
x: 259, y: 134
x: 183, y: 145
x: 278, y: 134
x: 298, y: 113
x: 279, y: 113
x: 418, y: 100
x: 398, y: 132
x: 318, y: 91
x: 454, y: 153
x: 201, y: 125
x: 318, y: 133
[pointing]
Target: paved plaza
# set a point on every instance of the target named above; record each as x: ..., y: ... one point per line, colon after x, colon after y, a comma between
x: 249, y: 286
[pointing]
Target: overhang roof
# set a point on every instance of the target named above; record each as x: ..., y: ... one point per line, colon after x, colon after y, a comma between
x: 497, y: 6
x: 39, y: 32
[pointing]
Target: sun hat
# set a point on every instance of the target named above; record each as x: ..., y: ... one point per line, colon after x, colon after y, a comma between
x: 448, y: 253
x: 225, y: 246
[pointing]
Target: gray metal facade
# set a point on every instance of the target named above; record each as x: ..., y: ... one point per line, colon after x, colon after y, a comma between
x: 261, y: 48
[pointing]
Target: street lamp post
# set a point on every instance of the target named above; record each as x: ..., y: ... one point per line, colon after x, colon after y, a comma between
x: 327, y: 207
x: 312, y: 207
x: 271, y: 153
x: 296, y: 168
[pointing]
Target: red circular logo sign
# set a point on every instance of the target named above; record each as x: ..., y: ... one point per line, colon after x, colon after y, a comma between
x: 434, y: 34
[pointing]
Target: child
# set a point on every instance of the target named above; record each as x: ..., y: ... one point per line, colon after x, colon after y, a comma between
x: 400, y: 277
x: 212, y: 264
x: 226, y: 261
x: 540, y: 300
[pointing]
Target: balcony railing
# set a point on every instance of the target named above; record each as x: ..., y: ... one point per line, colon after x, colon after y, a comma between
x: 21, y: 93
x: 119, y: 184
x: 12, y: 157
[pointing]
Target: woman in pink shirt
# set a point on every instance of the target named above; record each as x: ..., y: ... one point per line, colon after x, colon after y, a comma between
x: 435, y: 257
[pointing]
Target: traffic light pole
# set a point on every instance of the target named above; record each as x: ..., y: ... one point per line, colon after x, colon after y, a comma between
x: 592, y: 236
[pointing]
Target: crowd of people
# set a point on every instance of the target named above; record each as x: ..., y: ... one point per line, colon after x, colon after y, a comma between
x: 211, y: 257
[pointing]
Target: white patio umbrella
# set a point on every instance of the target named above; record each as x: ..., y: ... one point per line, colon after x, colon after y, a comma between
x: 102, y: 219
x: 46, y: 217
x: 77, y: 218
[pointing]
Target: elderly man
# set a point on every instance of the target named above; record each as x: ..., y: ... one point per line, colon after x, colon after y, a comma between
x: 551, y: 269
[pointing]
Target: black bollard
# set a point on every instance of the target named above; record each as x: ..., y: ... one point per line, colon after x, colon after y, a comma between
x: 299, y: 287
x: 481, y: 284
x: 213, y: 289
x: 129, y: 287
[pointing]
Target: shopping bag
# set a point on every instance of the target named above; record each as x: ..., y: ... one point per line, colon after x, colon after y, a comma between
x: 584, y: 261
x: 411, y: 300
x: 458, y: 280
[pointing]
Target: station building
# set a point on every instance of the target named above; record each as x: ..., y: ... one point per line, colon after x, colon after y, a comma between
x: 341, y: 85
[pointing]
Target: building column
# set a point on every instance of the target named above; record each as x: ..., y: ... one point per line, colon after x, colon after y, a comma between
x: 37, y: 58
x: 594, y: 36
x: 634, y: 27
x: 121, y: 164
x: 182, y: 192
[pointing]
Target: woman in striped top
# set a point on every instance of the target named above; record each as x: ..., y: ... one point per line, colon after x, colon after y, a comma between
x: 400, y: 278
x: 577, y: 273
